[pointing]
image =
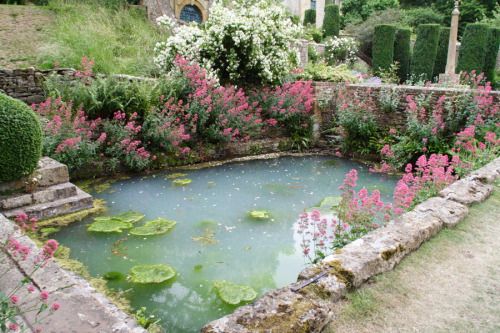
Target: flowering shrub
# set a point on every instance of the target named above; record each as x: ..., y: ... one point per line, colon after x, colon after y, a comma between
x: 341, y: 50
x: 241, y: 43
x: 12, y: 305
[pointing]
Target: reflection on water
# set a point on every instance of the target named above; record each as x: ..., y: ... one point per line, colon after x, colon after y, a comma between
x: 214, y: 239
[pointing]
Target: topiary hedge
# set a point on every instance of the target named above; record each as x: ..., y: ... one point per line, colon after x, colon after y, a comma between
x: 310, y: 16
x: 383, y: 47
x: 473, y: 48
x: 331, y: 22
x: 490, y: 59
x: 442, y: 51
x: 402, y: 52
x: 424, y: 51
x: 20, y: 139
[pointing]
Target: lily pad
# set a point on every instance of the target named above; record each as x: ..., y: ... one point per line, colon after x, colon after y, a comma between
x: 155, y: 227
x: 130, y: 217
x: 259, y: 214
x: 232, y: 293
x: 113, y: 276
x: 151, y: 273
x: 208, y: 238
x: 182, y: 182
x: 108, y: 224
x: 175, y: 175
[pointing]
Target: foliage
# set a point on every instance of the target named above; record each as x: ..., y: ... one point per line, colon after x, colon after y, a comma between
x: 359, y: 10
x: 473, y: 48
x: 383, y: 47
x: 491, y: 53
x: 422, y: 15
x: 425, y: 50
x: 402, y: 53
x: 340, y: 50
x: 364, y: 31
x: 232, y: 293
x: 146, y: 274
x: 159, y: 226
x: 323, y: 72
x: 442, y: 51
x: 243, y: 45
x: 331, y: 22
x: 20, y: 137
x: 313, y: 34
x: 470, y: 11
x: 309, y: 17
x: 130, y: 217
x: 109, y: 224
x: 119, y: 39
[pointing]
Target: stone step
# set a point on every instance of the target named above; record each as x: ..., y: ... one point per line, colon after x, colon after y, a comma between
x: 49, y: 173
x: 43, y: 195
x: 47, y: 210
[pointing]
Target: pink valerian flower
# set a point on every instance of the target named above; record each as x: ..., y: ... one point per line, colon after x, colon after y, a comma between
x: 14, y: 299
x: 13, y: 327
x: 102, y: 137
x: 119, y: 115
x: 387, y: 151
x: 68, y: 144
x: 87, y: 70
x: 17, y: 249
x: 393, y: 131
x: 31, y: 288
x: 55, y: 306
x: 491, y: 137
x: 44, y: 295
x: 383, y: 168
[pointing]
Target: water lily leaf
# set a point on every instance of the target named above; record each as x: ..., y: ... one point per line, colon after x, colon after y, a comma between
x: 175, y: 175
x: 108, y: 224
x: 330, y: 202
x: 130, y: 216
x: 155, y: 227
x: 182, y: 182
x: 208, y: 237
x: 259, y: 214
x: 151, y: 273
x: 232, y: 293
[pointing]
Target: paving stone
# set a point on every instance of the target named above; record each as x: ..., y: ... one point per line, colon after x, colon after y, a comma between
x: 489, y: 173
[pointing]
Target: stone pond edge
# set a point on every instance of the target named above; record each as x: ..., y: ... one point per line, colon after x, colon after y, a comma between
x: 306, y: 306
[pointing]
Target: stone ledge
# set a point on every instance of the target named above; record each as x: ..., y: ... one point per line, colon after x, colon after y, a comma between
x: 83, y: 309
x: 307, y: 307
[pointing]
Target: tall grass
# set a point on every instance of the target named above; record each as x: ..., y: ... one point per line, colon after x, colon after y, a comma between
x: 117, y: 38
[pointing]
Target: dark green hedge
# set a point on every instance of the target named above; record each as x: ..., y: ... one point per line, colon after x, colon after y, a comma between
x: 310, y: 16
x: 473, y: 48
x: 331, y: 22
x: 383, y: 47
x: 492, y: 54
x: 442, y: 52
x: 402, y: 52
x: 20, y: 139
x: 424, y: 51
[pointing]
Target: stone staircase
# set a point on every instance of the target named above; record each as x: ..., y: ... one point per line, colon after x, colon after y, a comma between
x: 53, y: 196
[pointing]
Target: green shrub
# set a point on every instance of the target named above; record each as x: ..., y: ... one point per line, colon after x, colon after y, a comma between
x: 402, y: 53
x: 310, y: 16
x: 490, y: 59
x: 331, y: 23
x: 442, y: 51
x: 423, y: 15
x: 360, y: 129
x: 473, y: 48
x: 470, y: 11
x: 383, y: 47
x: 322, y: 72
x: 20, y: 139
x: 424, y: 51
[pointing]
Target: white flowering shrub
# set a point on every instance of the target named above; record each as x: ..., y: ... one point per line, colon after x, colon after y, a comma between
x: 341, y: 50
x: 241, y: 44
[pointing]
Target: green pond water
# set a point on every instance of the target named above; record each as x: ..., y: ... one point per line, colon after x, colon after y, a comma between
x: 214, y: 206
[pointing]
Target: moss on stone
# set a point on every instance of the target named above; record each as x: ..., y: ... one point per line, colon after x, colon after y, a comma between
x: 64, y: 220
x: 343, y: 275
x: 388, y: 254
x: 313, y: 290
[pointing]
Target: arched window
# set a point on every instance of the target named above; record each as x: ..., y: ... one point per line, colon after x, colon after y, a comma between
x: 191, y: 13
x: 313, y: 4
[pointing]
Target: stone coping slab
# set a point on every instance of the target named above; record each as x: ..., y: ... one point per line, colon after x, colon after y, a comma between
x: 306, y: 306
x: 83, y: 309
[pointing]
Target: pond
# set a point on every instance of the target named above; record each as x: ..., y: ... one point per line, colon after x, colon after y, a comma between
x: 214, y: 238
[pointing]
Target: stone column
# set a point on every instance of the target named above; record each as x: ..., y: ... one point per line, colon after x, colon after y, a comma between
x: 450, y: 75
x: 320, y: 13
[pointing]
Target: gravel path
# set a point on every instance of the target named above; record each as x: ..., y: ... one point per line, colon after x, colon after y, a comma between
x: 451, y: 284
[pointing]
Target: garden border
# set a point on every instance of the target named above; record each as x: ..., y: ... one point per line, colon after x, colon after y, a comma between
x: 306, y: 306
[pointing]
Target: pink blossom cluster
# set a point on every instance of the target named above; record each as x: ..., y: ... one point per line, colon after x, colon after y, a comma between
x: 25, y: 222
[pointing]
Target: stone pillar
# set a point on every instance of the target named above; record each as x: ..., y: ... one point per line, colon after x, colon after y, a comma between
x: 320, y: 13
x: 450, y: 75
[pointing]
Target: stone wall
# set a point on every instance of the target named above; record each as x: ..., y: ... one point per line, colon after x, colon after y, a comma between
x: 328, y: 97
x: 27, y: 84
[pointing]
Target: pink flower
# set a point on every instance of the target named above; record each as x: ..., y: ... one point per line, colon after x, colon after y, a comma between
x: 31, y: 289
x: 13, y: 327
x: 102, y: 137
x: 44, y: 295
x: 14, y: 299
x: 55, y: 306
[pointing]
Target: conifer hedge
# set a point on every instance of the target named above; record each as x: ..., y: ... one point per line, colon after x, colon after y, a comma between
x: 310, y: 16
x: 402, y: 52
x: 442, y: 51
x: 490, y: 60
x: 331, y: 22
x: 383, y: 47
x: 424, y: 51
x: 473, y: 48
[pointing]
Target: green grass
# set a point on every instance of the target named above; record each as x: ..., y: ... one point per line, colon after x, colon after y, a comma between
x: 119, y: 40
